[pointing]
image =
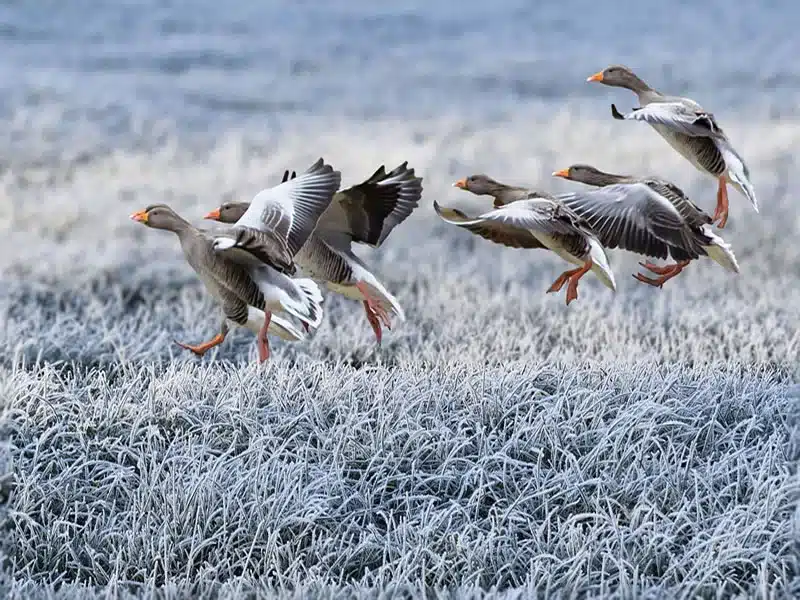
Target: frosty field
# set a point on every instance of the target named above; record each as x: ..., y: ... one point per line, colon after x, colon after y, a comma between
x: 632, y: 444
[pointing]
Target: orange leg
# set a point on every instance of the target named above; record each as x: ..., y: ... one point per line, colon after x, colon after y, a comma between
x: 666, y: 272
x: 561, y: 280
x: 263, y: 342
x: 572, y: 288
x: 572, y: 277
x: 374, y: 321
x: 374, y: 309
x: 722, y: 203
x: 201, y: 349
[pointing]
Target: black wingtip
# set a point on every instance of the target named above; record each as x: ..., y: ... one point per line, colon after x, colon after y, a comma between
x: 616, y: 114
x: 400, y: 169
x: 378, y: 175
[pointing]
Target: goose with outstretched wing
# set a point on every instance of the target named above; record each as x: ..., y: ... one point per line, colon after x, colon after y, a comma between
x: 228, y: 281
x: 365, y: 213
x: 272, y: 230
x: 689, y: 129
x: 535, y: 220
x: 646, y: 215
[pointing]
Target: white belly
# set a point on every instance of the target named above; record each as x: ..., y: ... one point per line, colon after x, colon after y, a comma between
x: 348, y: 291
x: 552, y: 245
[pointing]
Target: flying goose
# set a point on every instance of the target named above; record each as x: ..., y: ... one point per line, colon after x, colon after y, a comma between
x: 532, y: 219
x: 365, y: 213
x: 228, y: 282
x: 271, y: 231
x: 646, y: 215
x: 502, y: 193
x: 690, y: 130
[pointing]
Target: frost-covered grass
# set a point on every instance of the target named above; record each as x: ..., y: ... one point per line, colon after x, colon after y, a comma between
x: 639, y: 443
x: 573, y: 479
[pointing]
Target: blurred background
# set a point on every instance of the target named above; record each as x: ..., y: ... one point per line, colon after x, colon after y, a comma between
x: 110, y: 106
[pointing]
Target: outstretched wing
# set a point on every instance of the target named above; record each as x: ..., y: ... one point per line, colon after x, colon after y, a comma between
x: 634, y: 217
x: 516, y: 224
x: 368, y: 212
x: 291, y: 209
x: 680, y: 117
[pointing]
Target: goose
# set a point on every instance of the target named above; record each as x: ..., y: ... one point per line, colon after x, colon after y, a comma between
x: 648, y: 216
x: 229, y: 282
x: 267, y: 237
x: 532, y: 219
x: 689, y: 129
x: 365, y: 213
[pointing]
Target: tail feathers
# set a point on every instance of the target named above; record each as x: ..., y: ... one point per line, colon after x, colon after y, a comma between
x: 600, y: 266
x: 394, y: 305
x: 746, y: 188
x: 278, y: 326
x: 308, y: 308
x: 738, y: 172
x: 382, y: 294
x: 720, y: 251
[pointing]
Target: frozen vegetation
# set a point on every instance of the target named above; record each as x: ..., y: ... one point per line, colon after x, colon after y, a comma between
x: 641, y: 443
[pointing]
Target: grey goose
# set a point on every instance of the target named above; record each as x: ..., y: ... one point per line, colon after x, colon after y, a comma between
x: 689, y: 129
x: 646, y: 215
x: 366, y: 214
x: 533, y: 219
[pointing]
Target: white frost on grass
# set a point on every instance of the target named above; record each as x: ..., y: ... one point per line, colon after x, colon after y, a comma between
x: 580, y: 479
x: 639, y: 443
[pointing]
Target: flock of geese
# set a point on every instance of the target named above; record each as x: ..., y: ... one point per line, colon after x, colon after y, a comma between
x: 249, y: 262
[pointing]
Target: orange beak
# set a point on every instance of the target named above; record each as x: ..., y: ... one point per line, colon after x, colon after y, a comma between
x: 596, y: 77
x: 213, y: 215
x: 461, y: 183
x: 562, y: 173
x: 140, y: 216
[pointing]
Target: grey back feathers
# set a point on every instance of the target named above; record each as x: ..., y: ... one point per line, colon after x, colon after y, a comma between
x: 251, y: 246
x: 228, y: 281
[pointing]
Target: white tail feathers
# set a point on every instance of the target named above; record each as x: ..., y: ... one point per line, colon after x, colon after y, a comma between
x: 600, y: 266
x: 720, y: 251
x: 377, y: 288
x: 745, y: 188
x: 737, y: 172
x: 387, y: 298
x: 279, y: 327
x: 309, y: 309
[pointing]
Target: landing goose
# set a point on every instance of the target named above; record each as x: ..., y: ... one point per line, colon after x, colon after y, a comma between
x: 689, y: 129
x: 503, y: 194
x: 227, y: 281
x: 365, y: 213
x: 272, y: 230
x: 534, y: 219
x: 648, y: 216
